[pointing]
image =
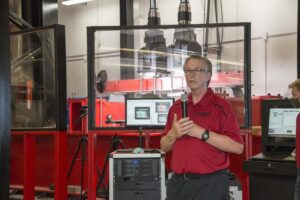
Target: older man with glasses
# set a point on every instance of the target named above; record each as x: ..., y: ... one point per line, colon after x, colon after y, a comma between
x: 200, y: 143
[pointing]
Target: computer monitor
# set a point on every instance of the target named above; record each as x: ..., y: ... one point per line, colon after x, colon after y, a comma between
x: 282, y: 122
x: 278, y: 126
x: 147, y: 113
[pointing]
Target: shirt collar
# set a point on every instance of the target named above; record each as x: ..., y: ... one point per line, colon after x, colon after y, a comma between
x: 207, y: 97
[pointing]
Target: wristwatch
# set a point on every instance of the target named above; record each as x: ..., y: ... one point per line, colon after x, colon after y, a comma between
x: 205, y: 135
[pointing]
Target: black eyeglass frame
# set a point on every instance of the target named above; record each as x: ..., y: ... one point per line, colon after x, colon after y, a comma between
x: 195, y: 71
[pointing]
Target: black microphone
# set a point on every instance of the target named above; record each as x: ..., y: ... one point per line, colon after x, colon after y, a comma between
x: 184, y: 105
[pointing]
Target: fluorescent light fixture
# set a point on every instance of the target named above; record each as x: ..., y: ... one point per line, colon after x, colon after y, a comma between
x: 72, y: 2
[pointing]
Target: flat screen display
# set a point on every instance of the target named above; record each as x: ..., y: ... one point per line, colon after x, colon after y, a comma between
x: 278, y: 123
x: 147, y: 112
x: 282, y: 122
x: 142, y: 113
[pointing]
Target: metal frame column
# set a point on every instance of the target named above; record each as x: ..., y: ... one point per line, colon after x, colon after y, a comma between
x: 126, y: 12
x: 40, y: 12
x: 4, y: 100
x: 126, y: 19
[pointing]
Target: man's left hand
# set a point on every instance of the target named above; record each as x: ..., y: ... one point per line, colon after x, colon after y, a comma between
x: 196, y: 131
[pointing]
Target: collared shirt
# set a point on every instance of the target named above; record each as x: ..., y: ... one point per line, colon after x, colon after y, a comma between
x: 192, y: 155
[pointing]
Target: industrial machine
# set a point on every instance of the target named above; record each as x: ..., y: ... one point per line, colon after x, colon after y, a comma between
x: 185, y: 39
x: 153, y: 57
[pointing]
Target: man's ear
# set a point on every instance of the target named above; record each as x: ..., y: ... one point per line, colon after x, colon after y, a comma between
x: 209, y: 76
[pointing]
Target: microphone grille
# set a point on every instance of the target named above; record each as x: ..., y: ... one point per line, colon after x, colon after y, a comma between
x: 184, y: 97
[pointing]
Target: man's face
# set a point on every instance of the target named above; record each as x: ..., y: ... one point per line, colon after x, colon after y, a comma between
x: 295, y: 93
x: 196, y: 74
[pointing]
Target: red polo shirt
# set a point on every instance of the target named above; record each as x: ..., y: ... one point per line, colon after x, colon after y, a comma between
x: 298, y: 141
x: 192, y: 155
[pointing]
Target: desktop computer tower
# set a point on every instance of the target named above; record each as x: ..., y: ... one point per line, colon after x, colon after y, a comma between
x: 137, y: 176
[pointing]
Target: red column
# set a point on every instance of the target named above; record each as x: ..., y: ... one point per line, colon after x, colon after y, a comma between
x: 92, y: 175
x: 60, y: 159
x: 29, y: 166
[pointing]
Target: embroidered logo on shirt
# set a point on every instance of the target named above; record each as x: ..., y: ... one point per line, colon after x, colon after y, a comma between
x: 203, y: 114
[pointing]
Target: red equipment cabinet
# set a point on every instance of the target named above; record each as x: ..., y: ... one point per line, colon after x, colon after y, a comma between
x: 77, y: 114
x: 105, y: 108
x: 77, y: 120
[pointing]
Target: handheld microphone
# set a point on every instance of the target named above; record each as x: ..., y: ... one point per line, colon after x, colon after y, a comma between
x: 184, y: 105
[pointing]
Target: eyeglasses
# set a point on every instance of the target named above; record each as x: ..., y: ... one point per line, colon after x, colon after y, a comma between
x: 195, y: 71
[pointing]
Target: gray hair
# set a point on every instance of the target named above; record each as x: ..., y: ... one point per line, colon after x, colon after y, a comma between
x: 204, y: 59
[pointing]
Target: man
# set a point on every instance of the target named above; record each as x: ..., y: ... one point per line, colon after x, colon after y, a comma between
x: 200, y: 143
x: 295, y: 87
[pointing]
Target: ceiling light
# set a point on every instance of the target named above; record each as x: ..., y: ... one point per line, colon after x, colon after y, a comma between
x: 72, y: 2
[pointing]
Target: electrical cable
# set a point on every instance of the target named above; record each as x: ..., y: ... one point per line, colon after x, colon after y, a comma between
x: 222, y: 20
x: 101, y: 179
x: 204, y: 15
x: 205, y: 52
x: 217, y: 21
x: 81, y: 145
x: 114, y: 144
x: 219, y: 42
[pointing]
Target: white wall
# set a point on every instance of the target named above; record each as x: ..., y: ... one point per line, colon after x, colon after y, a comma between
x: 76, y: 19
x: 274, y: 27
x: 274, y: 60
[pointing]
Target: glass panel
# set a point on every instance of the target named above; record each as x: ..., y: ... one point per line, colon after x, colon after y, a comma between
x: 33, y: 80
x: 148, y: 63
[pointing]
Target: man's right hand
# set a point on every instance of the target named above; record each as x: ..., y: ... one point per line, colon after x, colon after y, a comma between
x: 181, y: 127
